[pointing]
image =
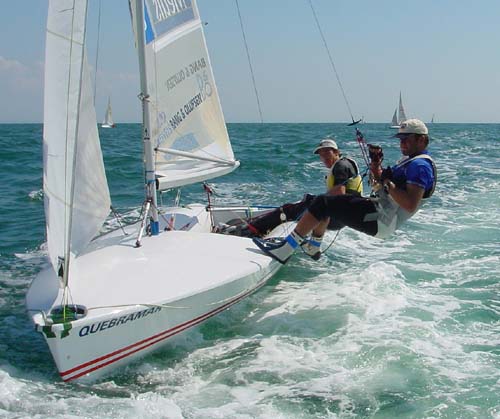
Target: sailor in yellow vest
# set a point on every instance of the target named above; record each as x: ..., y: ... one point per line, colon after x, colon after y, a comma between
x: 343, y: 178
x: 403, y: 188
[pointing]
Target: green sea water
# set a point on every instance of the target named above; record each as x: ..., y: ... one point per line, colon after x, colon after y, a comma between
x: 408, y: 327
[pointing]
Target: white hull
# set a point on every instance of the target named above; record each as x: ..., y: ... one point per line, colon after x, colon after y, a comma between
x: 136, y: 299
x: 107, y: 126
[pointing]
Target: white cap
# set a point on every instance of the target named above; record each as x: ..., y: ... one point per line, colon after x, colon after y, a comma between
x: 412, y: 126
x: 326, y: 143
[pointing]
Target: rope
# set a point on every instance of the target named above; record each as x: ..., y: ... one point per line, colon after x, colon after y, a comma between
x: 244, y: 292
x: 169, y: 224
x: 331, y: 59
x: 249, y: 62
x: 118, y: 218
x: 333, y: 241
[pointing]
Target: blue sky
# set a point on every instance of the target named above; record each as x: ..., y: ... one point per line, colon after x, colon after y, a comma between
x: 444, y: 55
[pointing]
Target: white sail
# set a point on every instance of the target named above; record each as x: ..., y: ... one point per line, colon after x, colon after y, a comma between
x: 402, y: 115
x: 108, y: 118
x: 394, y: 122
x: 186, y: 120
x: 75, y: 189
x: 129, y: 293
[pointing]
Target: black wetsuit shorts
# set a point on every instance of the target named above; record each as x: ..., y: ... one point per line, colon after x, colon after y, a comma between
x: 349, y: 210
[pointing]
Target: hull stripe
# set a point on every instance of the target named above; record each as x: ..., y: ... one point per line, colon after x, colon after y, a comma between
x: 152, y: 340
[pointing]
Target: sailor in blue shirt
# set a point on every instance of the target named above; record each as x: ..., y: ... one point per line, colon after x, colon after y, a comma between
x: 399, y: 194
x: 418, y: 172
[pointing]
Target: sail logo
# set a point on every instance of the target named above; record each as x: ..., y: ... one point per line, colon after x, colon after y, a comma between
x: 204, y: 85
x: 167, y: 8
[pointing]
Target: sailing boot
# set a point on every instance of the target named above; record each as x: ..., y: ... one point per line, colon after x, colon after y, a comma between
x: 280, y: 250
x: 312, y: 247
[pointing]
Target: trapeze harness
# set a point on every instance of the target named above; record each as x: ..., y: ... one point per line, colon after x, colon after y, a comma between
x: 390, y: 215
x: 353, y: 185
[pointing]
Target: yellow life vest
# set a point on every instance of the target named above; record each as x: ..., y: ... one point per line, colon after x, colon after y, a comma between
x: 354, y: 184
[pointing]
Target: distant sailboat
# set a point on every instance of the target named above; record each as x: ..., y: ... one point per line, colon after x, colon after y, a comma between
x: 108, y: 118
x: 432, y: 119
x: 397, y: 119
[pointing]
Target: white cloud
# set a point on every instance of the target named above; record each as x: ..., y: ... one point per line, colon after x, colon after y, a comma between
x: 11, y: 66
x: 20, y: 76
x: 23, y: 86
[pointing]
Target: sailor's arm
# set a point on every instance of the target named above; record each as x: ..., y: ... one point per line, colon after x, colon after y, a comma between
x: 409, y: 199
x: 341, y: 175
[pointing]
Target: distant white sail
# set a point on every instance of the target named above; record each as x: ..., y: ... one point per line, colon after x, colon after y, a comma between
x: 394, y: 122
x: 399, y: 114
x: 402, y: 114
x: 75, y: 189
x: 108, y: 118
x: 186, y: 120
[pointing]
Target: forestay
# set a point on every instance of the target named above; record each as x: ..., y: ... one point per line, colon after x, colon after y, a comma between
x: 75, y: 189
x: 186, y: 121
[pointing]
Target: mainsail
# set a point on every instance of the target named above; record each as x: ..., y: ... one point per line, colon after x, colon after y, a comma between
x: 399, y: 114
x: 394, y: 122
x: 402, y: 115
x: 186, y: 121
x: 76, y: 194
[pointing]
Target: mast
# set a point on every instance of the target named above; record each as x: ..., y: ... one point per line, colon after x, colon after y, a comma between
x: 65, y: 261
x: 146, y: 133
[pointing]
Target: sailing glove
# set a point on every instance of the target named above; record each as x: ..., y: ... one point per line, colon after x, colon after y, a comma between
x: 386, y: 174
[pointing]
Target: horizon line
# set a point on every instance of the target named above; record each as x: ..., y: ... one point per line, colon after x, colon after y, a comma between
x: 275, y: 122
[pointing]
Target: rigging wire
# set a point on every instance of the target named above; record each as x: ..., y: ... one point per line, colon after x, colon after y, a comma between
x: 332, y: 63
x: 97, y: 50
x: 249, y: 62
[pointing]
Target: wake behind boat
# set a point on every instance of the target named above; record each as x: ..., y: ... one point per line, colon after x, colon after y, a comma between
x: 105, y: 301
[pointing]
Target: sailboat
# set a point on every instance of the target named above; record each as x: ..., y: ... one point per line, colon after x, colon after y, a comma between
x: 106, y: 300
x: 399, y: 114
x: 108, y: 117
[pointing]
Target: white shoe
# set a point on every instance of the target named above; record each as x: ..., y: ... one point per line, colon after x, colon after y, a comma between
x: 312, y: 247
x: 281, y: 250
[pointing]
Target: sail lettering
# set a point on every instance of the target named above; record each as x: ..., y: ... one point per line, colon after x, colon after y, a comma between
x: 176, y: 79
x: 184, y: 111
x: 192, y: 104
x: 185, y: 73
x: 177, y: 119
x: 197, y: 66
x: 166, y: 8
